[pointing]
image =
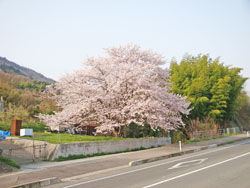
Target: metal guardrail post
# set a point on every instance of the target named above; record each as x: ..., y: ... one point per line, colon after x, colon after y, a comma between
x: 45, y: 149
x: 33, y: 154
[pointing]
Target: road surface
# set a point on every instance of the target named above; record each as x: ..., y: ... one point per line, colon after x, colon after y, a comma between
x: 227, y: 166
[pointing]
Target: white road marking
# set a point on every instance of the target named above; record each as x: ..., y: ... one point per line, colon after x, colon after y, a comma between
x: 153, y: 166
x: 198, y: 170
x: 188, y: 163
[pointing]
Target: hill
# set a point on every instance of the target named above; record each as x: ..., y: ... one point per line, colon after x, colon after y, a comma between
x: 13, y: 68
x: 23, y: 98
x: 21, y: 94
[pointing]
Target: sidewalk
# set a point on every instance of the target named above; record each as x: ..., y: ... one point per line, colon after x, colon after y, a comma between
x: 67, y: 169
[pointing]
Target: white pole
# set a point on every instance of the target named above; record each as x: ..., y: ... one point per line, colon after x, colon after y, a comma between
x: 180, y: 145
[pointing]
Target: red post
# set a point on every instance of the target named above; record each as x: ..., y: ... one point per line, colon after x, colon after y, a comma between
x: 16, y: 126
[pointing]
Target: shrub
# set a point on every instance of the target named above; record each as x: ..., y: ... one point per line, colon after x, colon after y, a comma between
x: 178, y: 136
x: 135, y: 131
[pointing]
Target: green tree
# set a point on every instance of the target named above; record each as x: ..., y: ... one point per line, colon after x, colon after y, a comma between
x: 211, y: 87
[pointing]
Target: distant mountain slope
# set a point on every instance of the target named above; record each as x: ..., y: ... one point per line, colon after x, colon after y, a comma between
x: 11, y: 67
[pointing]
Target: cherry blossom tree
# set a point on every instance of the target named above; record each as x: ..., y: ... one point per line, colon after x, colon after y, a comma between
x: 127, y: 85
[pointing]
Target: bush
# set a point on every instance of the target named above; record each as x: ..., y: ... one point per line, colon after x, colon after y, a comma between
x: 11, y: 111
x: 4, y: 127
x: 178, y: 136
x: 135, y: 131
x: 195, y: 125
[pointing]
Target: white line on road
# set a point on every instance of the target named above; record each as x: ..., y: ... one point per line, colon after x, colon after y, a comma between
x: 198, y: 170
x: 188, y: 163
x: 153, y: 166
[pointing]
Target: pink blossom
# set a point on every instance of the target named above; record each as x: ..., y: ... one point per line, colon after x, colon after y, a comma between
x: 125, y: 86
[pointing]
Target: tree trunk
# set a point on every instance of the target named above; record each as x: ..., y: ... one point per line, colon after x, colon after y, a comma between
x: 117, y: 131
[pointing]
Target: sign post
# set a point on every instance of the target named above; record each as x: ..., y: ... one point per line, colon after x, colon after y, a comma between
x: 180, y: 146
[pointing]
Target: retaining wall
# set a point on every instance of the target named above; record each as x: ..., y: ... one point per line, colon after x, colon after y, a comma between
x: 86, y: 148
x: 27, y: 144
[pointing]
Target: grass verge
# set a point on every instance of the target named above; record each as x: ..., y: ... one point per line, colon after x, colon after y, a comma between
x: 9, y: 162
x: 81, y: 156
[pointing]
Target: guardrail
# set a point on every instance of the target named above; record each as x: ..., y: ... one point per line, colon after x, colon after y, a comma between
x: 214, y: 133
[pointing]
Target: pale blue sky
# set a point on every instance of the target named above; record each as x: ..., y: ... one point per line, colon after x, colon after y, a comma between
x: 54, y: 37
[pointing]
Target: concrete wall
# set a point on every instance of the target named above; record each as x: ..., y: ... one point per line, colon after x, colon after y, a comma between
x: 86, y: 148
x: 56, y: 150
x: 27, y: 144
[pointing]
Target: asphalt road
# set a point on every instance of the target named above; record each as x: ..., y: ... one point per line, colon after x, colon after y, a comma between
x: 227, y: 166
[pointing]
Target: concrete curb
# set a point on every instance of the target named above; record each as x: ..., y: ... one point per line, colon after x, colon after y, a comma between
x: 40, y: 183
x: 149, y: 160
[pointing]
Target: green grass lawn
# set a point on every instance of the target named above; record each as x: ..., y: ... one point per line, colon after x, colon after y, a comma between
x: 67, y: 138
